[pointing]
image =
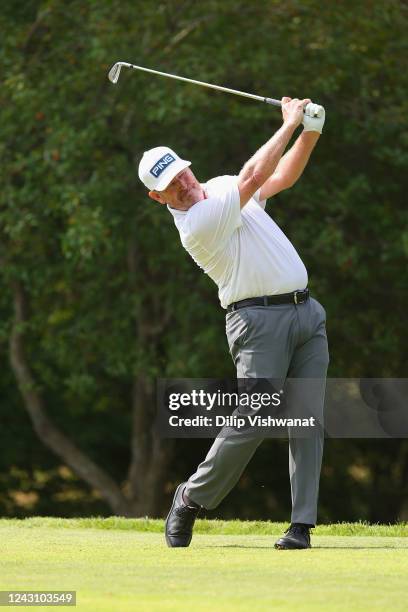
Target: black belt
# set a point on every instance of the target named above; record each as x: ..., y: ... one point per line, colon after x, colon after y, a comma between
x: 296, y: 297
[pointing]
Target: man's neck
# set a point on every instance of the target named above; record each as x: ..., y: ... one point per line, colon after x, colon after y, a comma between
x: 204, y: 197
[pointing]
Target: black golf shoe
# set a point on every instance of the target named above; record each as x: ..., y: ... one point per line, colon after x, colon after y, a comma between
x: 180, y: 520
x: 297, y: 536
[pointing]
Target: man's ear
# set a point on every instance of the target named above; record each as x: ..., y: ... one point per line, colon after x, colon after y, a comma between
x: 156, y: 196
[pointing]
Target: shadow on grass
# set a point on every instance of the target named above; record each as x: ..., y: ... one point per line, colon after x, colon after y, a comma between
x: 271, y: 547
x: 362, y: 547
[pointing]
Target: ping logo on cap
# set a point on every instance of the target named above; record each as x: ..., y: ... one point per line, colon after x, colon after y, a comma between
x: 162, y: 164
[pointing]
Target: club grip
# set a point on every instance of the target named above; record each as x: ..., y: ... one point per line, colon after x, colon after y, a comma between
x: 279, y: 103
x: 273, y: 101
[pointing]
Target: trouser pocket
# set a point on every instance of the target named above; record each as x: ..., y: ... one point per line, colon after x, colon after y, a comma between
x: 237, y: 329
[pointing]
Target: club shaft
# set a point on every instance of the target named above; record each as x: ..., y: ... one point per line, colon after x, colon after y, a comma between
x: 209, y: 85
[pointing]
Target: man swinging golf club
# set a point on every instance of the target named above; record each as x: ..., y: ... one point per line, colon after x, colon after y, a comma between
x: 274, y: 328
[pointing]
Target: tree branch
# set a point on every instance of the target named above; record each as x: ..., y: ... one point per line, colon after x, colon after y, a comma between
x: 182, y: 34
x: 48, y: 433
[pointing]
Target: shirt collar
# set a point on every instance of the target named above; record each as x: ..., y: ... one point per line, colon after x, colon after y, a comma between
x: 177, y: 214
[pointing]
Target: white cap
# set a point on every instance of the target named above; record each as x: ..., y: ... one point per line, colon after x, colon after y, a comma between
x: 159, y: 166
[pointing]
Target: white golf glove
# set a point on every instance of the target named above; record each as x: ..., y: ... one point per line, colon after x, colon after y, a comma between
x: 313, y: 118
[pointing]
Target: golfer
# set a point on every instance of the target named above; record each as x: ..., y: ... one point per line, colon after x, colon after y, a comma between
x: 275, y: 329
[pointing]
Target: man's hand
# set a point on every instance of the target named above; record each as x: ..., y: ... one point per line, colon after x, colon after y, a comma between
x: 310, y: 121
x: 292, y: 110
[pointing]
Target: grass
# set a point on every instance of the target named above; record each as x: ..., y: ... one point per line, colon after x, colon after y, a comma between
x: 118, y: 564
x: 204, y: 526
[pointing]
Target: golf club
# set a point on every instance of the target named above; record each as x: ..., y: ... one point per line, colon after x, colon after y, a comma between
x: 114, y: 74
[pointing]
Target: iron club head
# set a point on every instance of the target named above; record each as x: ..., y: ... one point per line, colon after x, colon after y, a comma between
x: 114, y: 72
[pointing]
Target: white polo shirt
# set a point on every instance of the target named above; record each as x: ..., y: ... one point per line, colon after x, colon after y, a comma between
x: 243, y: 250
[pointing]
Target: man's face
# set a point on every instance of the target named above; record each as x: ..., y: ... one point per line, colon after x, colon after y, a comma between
x: 182, y: 192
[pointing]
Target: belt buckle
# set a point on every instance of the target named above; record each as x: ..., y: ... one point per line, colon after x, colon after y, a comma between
x: 301, y: 299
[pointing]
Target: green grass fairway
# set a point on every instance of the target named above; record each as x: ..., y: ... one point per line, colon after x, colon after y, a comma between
x: 118, y: 564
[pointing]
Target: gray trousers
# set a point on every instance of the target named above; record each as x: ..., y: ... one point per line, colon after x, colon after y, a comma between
x: 277, y: 342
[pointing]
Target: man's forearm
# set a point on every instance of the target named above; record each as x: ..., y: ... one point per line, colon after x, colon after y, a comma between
x: 264, y: 162
x: 292, y: 164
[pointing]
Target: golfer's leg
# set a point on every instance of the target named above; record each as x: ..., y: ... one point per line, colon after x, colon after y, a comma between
x: 310, y: 361
x: 259, y: 346
x: 221, y: 469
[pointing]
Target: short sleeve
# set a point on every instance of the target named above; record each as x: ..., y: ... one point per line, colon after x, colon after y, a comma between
x: 256, y: 196
x: 212, y: 221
